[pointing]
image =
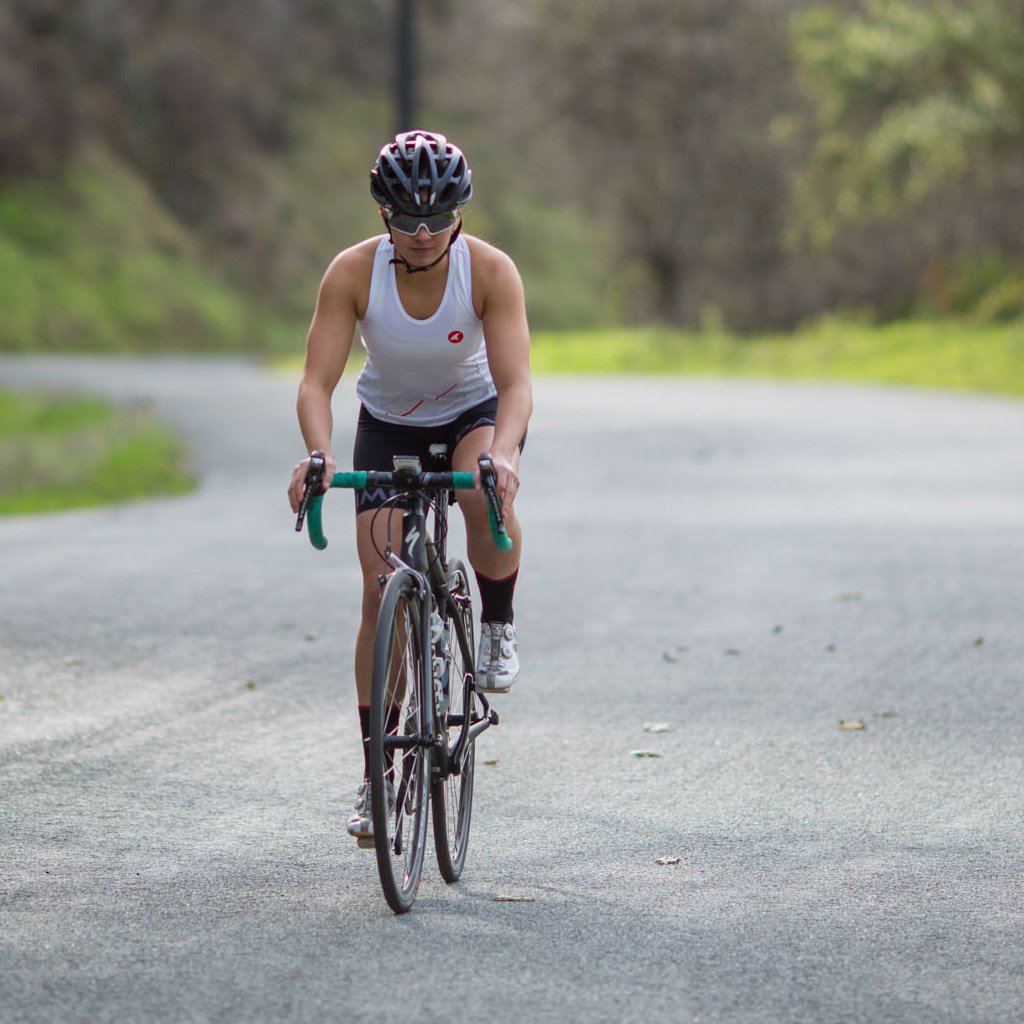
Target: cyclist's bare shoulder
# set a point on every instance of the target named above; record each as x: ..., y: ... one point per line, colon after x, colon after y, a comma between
x: 347, y: 279
x: 488, y: 259
x: 495, y: 277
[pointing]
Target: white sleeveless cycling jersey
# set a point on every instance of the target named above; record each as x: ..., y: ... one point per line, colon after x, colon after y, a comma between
x: 423, y: 372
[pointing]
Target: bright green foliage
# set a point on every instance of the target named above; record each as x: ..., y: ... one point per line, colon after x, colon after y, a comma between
x: 92, y: 262
x: 909, y: 95
x: 944, y: 353
x: 61, y: 453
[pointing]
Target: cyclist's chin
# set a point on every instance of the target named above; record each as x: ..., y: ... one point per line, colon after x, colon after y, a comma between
x: 421, y: 257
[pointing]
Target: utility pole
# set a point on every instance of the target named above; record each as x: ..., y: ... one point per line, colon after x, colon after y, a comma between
x: 405, y: 64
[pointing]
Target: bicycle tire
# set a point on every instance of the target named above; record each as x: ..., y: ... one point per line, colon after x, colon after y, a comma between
x: 399, y: 784
x: 452, y: 794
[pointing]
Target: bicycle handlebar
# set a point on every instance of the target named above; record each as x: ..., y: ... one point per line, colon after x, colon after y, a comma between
x: 312, y: 503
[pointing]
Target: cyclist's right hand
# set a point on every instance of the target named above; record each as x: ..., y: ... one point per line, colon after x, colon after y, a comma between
x: 297, y: 484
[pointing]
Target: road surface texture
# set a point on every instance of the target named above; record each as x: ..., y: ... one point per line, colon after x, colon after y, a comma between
x: 747, y: 563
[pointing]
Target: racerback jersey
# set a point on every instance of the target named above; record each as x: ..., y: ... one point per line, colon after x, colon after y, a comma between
x: 423, y: 372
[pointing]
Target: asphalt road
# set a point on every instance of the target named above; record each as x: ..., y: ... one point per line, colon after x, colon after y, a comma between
x: 747, y: 563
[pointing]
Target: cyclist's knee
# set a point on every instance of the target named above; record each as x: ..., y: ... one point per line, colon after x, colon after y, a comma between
x: 473, y: 506
x: 475, y: 511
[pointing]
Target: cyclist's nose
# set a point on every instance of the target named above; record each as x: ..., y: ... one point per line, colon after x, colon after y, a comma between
x: 423, y: 235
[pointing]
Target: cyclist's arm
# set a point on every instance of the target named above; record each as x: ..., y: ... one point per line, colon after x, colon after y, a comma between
x: 328, y: 345
x: 507, y: 335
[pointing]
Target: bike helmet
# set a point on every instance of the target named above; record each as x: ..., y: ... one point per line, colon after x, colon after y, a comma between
x: 421, y: 173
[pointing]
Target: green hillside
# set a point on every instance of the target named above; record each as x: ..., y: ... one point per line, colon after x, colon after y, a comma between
x: 91, y: 261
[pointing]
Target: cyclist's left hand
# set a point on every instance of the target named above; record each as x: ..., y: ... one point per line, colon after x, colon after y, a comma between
x: 506, y: 479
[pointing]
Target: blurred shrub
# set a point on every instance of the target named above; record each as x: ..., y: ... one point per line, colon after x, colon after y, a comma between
x: 1004, y: 301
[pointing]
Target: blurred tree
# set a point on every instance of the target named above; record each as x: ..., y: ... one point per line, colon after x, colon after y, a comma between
x: 638, y: 156
x: 192, y: 93
x: 908, y: 98
x: 669, y: 107
x: 40, y: 109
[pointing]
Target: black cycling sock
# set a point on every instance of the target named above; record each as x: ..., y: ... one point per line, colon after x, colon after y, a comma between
x: 390, y: 726
x: 364, y: 728
x: 496, y: 598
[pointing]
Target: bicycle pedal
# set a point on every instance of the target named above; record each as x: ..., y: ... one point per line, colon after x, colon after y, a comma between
x: 365, y: 842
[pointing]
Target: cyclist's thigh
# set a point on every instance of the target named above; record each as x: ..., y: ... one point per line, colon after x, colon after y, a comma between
x: 472, y: 446
x: 472, y: 434
x: 464, y: 460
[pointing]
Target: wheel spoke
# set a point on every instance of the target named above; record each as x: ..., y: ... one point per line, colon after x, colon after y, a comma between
x: 398, y: 775
x: 452, y: 795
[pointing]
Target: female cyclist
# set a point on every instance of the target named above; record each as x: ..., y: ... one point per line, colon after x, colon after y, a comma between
x: 442, y: 318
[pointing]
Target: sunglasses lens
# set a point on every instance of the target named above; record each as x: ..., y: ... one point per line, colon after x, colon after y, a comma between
x: 435, y: 223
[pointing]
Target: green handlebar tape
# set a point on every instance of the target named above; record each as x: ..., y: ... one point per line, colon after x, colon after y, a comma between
x: 355, y: 480
x: 314, y: 520
x: 501, y: 539
x: 314, y: 516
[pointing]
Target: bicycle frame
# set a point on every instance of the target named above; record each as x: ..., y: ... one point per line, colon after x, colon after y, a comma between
x: 423, y: 555
x: 444, y: 738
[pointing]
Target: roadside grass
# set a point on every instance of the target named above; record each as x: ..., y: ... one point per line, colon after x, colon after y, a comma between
x: 924, y: 353
x: 61, y: 453
x: 944, y: 354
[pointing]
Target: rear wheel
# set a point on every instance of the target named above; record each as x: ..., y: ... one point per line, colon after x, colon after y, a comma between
x: 452, y: 794
x: 399, y: 773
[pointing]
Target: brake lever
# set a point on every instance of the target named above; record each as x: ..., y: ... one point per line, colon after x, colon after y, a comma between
x: 488, y: 481
x: 313, y: 485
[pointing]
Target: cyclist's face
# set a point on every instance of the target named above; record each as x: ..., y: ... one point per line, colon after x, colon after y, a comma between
x: 423, y: 247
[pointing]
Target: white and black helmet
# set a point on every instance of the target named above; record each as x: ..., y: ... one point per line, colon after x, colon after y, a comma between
x: 421, y: 173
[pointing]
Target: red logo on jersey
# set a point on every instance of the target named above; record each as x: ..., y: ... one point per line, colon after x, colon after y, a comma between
x: 455, y: 337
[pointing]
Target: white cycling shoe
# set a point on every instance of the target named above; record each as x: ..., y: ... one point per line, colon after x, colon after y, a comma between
x: 360, y: 824
x: 497, y: 662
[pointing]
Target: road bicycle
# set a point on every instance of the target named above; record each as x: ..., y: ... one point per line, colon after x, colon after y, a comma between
x: 425, y: 710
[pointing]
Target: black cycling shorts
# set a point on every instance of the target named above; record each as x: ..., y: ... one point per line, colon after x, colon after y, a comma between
x: 377, y: 442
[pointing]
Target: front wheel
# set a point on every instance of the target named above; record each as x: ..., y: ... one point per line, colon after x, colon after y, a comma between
x: 399, y: 759
x: 452, y: 793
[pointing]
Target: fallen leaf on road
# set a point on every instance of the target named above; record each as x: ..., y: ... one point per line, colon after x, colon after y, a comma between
x: 855, y: 726
x: 644, y: 753
x: 515, y: 899
x: 656, y: 727
x: 663, y: 861
x: 670, y: 658
x: 979, y: 641
x: 250, y: 684
x: 492, y: 760
x: 830, y: 648
x: 734, y: 651
x: 849, y: 595
x: 887, y: 714
x: 777, y: 629
x: 312, y: 636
